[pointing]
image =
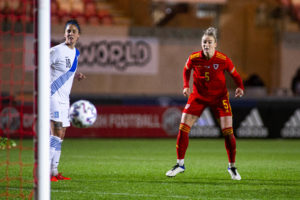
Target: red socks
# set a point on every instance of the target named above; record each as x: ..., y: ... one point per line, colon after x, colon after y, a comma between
x: 230, y: 143
x: 182, y: 140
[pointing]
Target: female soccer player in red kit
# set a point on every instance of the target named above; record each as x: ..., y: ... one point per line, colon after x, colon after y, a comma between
x: 209, y: 90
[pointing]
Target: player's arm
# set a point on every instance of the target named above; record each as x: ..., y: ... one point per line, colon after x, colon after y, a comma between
x: 186, y: 80
x: 79, y: 76
x: 239, y: 92
x: 53, y: 57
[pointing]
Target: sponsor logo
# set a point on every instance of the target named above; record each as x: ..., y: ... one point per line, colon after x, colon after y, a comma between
x: 207, y: 67
x: 205, y: 126
x: 252, y: 126
x: 9, y: 120
x: 117, y: 54
x: 171, y: 120
x: 216, y: 66
x: 291, y: 128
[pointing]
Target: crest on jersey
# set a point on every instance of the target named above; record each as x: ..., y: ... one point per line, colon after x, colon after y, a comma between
x: 68, y: 62
x: 216, y: 66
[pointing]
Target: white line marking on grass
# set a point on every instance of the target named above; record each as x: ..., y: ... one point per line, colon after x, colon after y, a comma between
x: 144, y: 195
x: 123, y: 194
x: 114, y: 158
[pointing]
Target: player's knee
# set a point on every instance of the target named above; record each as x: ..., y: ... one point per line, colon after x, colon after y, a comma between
x: 57, y: 129
x: 57, y: 126
x: 188, y: 119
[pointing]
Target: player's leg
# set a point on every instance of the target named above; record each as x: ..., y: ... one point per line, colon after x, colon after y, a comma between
x: 56, y: 159
x: 190, y: 114
x: 65, y: 124
x: 59, y: 122
x: 55, y: 147
x: 230, y: 145
x: 182, y: 143
x: 187, y: 121
x: 223, y: 112
x: 55, y: 127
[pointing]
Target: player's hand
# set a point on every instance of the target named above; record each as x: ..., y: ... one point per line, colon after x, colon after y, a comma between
x: 80, y: 76
x: 239, y: 92
x: 186, y: 92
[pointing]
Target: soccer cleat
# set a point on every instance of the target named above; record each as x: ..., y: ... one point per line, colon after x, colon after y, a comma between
x: 234, y: 173
x: 61, y: 177
x: 53, y: 179
x: 175, y: 170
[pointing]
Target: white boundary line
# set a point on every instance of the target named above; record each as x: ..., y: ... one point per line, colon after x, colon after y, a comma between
x: 124, y: 194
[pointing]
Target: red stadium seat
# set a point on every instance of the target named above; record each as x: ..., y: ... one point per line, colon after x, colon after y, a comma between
x: 105, y: 17
x: 54, y: 8
x: 90, y: 9
x: 80, y: 18
x: 77, y: 7
x: 64, y: 7
x: 13, y: 6
x: 94, y: 20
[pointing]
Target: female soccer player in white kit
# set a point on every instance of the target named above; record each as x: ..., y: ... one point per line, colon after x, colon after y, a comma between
x: 63, y: 66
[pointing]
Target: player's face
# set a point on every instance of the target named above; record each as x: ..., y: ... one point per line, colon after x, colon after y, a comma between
x: 208, y: 45
x: 71, y: 35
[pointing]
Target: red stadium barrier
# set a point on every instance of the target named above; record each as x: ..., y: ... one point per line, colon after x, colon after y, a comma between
x: 252, y: 119
x: 132, y: 121
x: 17, y: 121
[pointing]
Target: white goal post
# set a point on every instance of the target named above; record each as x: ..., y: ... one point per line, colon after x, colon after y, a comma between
x: 43, y: 99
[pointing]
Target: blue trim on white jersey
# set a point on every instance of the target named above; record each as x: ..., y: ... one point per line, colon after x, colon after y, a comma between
x: 63, y: 78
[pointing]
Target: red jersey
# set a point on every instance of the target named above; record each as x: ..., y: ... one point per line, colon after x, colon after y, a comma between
x: 209, y: 75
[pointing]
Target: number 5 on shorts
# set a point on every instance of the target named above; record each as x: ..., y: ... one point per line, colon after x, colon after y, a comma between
x: 226, y: 105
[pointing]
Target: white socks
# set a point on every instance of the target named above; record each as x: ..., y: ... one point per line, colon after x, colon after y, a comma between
x: 230, y: 165
x: 180, y: 162
x: 55, y: 163
x: 55, y: 151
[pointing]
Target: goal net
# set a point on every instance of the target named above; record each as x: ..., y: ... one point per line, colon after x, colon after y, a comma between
x: 17, y: 99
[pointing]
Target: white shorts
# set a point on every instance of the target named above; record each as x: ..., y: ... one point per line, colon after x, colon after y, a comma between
x: 59, y: 112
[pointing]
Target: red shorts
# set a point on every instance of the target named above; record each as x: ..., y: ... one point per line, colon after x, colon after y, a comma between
x: 220, y: 106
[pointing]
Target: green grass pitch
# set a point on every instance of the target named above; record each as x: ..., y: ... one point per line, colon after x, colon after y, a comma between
x: 135, y: 169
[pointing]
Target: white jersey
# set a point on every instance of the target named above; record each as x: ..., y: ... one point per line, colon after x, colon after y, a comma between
x: 63, y: 65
